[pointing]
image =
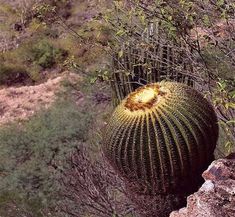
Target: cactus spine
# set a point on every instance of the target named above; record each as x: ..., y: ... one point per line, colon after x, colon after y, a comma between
x: 162, y: 136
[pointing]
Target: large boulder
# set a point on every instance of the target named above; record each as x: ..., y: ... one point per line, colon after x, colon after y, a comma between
x: 216, y: 197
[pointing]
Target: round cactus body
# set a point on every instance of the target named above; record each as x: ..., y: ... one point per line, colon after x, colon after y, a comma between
x: 162, y: 136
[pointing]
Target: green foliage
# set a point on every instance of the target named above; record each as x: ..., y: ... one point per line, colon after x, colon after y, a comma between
x: 45, y: 54
x: 71, y: 63
x: 35, y: 55
x: 223, y: 98
x: 43, y: 10
x: 33, y: 155
x: 100, y: 75
x: 50, y: 11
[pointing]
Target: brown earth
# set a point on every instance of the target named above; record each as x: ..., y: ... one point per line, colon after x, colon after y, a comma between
x: 19, y: 103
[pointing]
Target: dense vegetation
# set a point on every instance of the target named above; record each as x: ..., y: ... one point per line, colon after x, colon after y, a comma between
x: 33, y: 156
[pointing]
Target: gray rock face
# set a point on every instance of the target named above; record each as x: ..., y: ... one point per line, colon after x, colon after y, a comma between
x: 216, y: 197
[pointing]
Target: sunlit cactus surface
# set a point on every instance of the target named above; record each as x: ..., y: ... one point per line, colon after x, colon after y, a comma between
x: 161, y: 137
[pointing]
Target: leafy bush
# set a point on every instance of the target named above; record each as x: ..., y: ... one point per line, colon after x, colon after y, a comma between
x: 34, y: 54
x: 33, y: 155
x: 45, y: 54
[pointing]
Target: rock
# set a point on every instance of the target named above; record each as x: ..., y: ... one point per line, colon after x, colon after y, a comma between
x: 216, y: 197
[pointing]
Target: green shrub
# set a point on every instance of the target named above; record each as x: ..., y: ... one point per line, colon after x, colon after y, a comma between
x: 45, y: 54
x: 35, y: 55
x: 33, y: 155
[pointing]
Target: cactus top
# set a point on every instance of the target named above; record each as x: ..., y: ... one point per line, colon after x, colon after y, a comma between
x: 146, y: 97
x: 162, y: 136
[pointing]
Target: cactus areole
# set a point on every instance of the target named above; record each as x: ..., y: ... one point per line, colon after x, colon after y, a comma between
x: 161, y: 137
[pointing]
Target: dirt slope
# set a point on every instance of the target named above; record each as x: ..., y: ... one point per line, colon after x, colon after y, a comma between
x: 19, y: 103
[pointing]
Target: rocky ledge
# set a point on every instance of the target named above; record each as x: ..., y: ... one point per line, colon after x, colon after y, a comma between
x: 216, y: 197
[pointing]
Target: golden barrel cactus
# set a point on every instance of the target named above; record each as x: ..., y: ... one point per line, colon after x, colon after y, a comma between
x: 161, y: 137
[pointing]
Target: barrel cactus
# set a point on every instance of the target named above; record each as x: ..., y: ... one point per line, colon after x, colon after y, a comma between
x: 161, y: 137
